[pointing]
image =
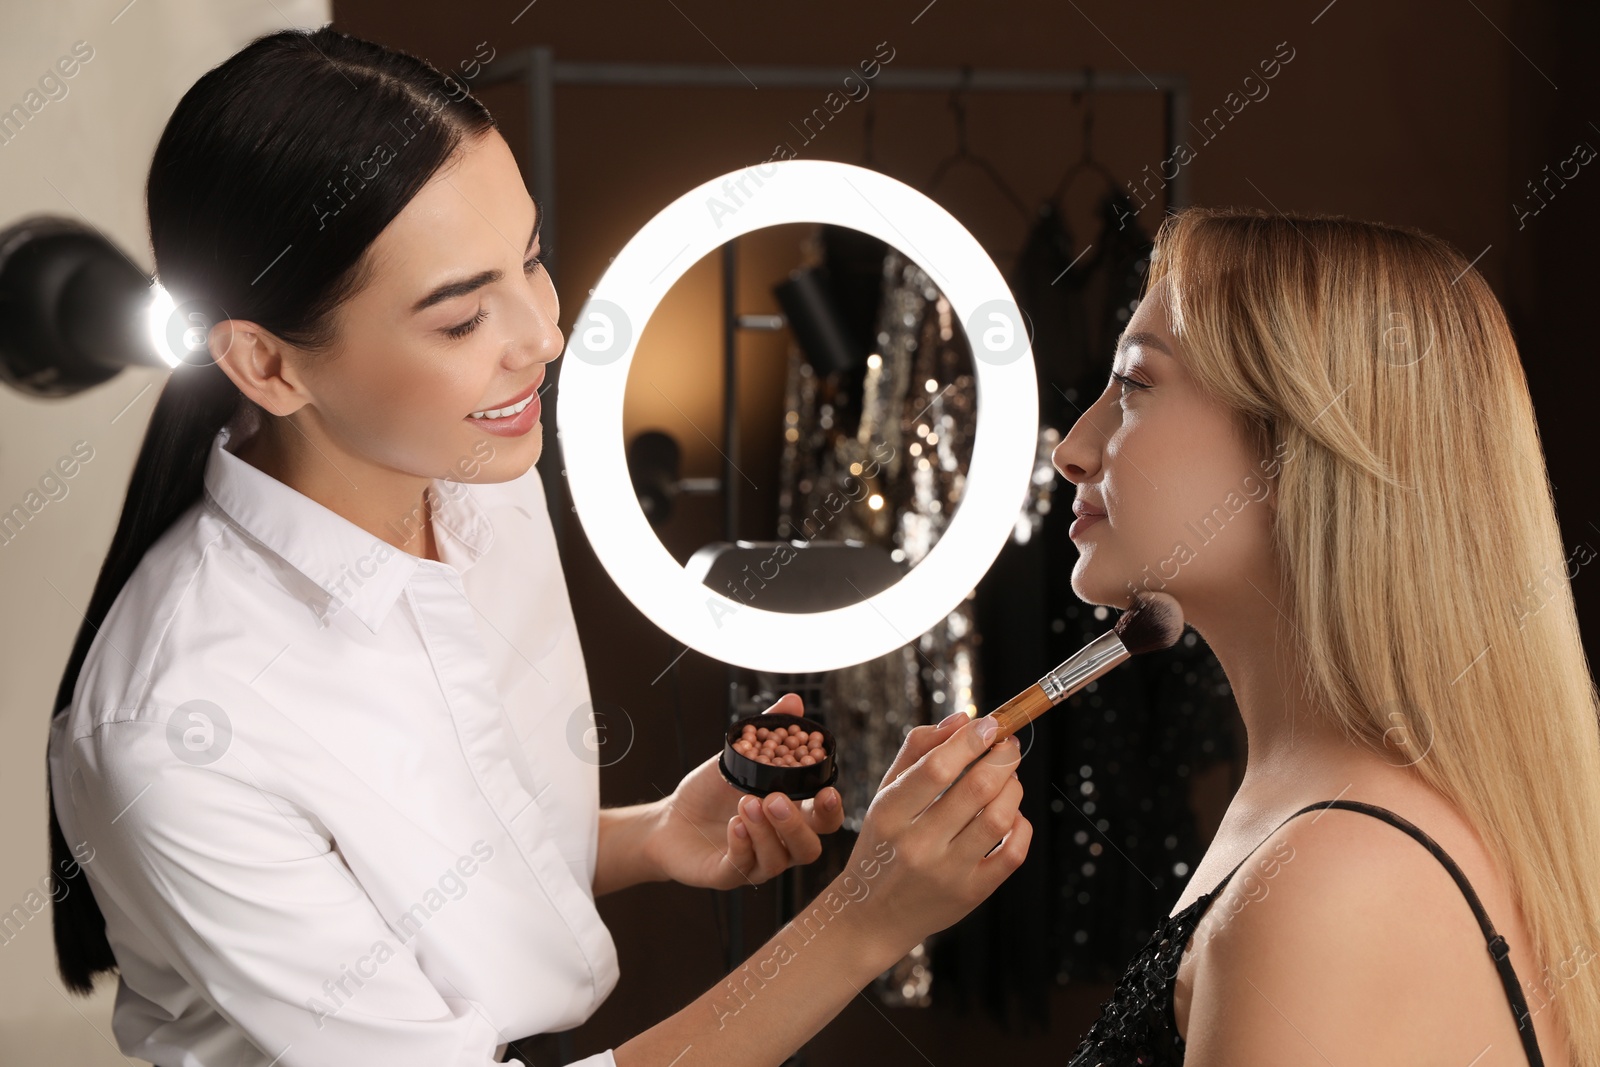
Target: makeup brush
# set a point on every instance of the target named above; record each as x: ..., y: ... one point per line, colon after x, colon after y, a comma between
x: 1154, y: 622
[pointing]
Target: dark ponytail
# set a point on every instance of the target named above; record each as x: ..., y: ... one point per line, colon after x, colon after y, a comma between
x: 274, y: 175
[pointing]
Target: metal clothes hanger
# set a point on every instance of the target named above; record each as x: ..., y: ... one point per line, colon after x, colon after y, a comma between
x: 963, y: 154
x: 1087, y: 162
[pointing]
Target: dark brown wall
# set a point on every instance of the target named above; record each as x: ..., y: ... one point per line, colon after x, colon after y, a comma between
x: 1430, y: 113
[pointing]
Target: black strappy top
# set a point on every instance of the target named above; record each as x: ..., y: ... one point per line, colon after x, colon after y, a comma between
x: 1137, y: 1025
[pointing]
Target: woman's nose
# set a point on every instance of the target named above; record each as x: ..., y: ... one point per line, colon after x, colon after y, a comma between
x: 538, y: 336
x: 1077, y: 457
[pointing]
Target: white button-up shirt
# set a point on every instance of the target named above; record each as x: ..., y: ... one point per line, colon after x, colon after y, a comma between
x: 338, y: 803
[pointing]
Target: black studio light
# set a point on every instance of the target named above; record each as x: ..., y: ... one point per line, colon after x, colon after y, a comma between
x: 74, y: 311
x: 654, y: 463
x: 819, y: 324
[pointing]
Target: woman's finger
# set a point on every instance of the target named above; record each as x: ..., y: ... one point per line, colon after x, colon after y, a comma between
x: 741, y: 849
x: 788, y: 704
x: 980, y: 785
x: 771, y: 855
x: 825, y: 811
x: 979, y: 837
x: 924, y: 781
x: 920, y: 741
x: 800, y: 841
x: 999, y: 865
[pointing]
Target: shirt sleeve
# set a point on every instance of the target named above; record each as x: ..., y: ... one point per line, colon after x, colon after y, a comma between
x: 247, y: 898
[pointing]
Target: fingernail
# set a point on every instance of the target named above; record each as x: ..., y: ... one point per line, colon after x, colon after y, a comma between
x: 987, y: 727
x: 830, y: 800
x: 1014, y: 775
x: 781, y: 808
x: 953, y: 717
x: 752, y: 810
x: 739, y: 831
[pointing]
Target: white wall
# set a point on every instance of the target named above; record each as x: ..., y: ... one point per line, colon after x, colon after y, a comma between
x: 83, y: 155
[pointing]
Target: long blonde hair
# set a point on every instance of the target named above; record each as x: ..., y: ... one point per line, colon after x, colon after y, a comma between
x: 1429, y: 603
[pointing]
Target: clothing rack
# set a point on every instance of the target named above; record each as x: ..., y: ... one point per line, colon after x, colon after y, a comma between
x: 538, y: 73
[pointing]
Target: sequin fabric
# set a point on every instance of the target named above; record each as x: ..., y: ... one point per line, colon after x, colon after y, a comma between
x: 1136, y: 1027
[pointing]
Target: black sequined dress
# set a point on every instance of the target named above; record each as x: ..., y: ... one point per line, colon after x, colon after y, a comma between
x: 1137, y: 1027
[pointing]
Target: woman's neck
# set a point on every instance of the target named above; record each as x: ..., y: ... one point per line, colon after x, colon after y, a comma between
x: 1292, y: 747
x: 393, y: 507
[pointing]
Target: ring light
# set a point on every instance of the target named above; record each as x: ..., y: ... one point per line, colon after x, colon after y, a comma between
x: 601, y: 349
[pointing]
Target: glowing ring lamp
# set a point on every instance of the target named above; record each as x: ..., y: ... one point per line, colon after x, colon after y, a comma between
x: 601, y: 348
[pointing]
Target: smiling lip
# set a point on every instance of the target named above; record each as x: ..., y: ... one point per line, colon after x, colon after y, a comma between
x: 519, y: 398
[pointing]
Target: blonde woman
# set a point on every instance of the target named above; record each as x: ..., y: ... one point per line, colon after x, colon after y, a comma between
x: 1317, y: 437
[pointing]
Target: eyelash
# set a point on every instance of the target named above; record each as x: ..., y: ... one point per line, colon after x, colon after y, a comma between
x: 455, y: 333
x: 1127, y: 382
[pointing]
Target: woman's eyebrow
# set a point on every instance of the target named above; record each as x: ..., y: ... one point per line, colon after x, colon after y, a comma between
x: 1143, y: 339
x: 451, y: 290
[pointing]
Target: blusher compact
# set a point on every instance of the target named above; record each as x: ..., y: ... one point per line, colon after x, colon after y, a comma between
x: 769, y: 753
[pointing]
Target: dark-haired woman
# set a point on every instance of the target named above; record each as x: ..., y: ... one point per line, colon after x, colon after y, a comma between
x: 321, y: 787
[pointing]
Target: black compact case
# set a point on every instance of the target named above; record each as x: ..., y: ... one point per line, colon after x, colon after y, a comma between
x: 796, y: 783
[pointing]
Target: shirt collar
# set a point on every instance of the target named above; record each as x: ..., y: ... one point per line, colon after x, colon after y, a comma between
x: 356, y: 569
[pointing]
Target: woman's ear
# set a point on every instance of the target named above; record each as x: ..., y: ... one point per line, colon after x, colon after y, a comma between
x: 254, y: 358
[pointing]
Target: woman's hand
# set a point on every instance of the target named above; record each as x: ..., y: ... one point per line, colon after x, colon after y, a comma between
x: 932, y: 846
x: 923, y: 861
x: 707, y: 833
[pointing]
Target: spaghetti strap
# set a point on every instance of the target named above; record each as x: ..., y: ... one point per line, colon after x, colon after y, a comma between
x: 1499, y: 950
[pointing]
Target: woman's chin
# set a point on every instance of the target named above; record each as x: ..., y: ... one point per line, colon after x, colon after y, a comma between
x: 1091, y: 588
x: 499, y: 459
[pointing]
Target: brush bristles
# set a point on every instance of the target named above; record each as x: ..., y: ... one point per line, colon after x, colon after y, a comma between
x: 1153, y: 623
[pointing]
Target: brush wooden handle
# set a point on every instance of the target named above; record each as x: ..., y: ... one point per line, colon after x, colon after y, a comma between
x: 1019, y: 711
x: 1077, y: 671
